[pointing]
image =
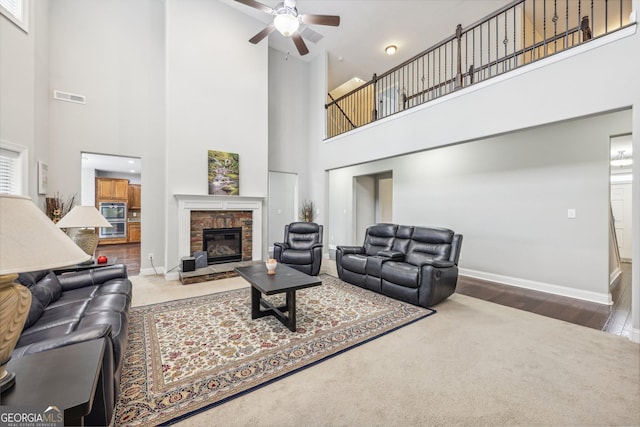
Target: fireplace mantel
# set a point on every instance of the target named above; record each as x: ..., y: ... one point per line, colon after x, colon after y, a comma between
x: 189, y: 202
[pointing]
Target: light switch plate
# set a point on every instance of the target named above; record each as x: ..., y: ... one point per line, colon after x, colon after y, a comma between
x: 571, y: 213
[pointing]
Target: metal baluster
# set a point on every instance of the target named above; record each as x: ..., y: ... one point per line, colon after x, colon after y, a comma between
x: 555, y: 25
x: 533, y: 48
x: 544, y: 29
x: 505, y: 42
x: 566, y: 42
x: 497, y: 48
x: 620, y: 21
x: 593, y: 17
x: 515, y: 58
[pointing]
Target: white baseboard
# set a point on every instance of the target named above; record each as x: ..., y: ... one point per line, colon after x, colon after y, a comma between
x: 151, y: 271
x: 597, y: 297
x: 635, y: 335
x: 614, y: 275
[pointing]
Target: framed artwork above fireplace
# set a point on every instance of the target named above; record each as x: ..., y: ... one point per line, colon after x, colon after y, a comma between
x: 223, y: 173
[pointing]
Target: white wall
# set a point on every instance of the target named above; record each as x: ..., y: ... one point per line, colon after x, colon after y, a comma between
x: 112, y: 52
x: 23, y: 89
x: 288, y: 117
x: 509, y: 195
x: 216, y: 99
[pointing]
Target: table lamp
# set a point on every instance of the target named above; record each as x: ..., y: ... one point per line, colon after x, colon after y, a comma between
x: 29, y: 241
x: 87, y: 218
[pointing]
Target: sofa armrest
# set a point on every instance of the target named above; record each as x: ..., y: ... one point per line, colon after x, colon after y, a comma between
x: 75, y: 337
x: 350, y: 249
x: 393, y: 255
x: 438, y: 263
x: 91, y: 277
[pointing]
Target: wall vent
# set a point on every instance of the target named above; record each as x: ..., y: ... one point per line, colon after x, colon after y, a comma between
x: 69, y: 97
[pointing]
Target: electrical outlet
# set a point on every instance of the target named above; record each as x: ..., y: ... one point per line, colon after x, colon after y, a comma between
x: 150, y: 256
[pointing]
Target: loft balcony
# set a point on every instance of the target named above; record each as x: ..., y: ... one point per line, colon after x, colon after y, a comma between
x: 519, y: 34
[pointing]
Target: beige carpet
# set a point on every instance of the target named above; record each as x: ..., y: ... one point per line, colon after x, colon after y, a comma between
x: 472, y: 363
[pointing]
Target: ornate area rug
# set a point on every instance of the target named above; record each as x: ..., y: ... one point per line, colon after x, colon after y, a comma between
x: 189, y: 355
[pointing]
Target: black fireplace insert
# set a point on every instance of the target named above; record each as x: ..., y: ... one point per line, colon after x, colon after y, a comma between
x: 222, y: 244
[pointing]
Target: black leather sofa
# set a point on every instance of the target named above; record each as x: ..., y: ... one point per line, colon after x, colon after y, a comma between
x: 75, y: 307
x: 418, y: 265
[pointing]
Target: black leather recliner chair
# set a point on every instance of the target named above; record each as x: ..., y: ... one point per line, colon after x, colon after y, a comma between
x: 302, y: 247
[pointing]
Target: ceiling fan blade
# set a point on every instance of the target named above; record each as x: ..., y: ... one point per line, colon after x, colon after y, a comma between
x: 321, y: 19
x: 257, y: 5
x: 262, y: 34
x: 300, y: 45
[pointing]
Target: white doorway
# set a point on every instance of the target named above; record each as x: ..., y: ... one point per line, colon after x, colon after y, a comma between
x: 373, y: 201
x: 621, y: 190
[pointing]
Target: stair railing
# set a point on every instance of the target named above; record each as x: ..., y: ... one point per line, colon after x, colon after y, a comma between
x: 518, y: 34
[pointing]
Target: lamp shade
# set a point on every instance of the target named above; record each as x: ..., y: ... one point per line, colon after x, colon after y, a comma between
x: 30, y: 241
x: 83, y: 217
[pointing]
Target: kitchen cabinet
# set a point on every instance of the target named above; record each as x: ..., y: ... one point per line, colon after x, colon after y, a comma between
x: 135, y: 196
x: 112, y: 189
x: 133, y: 232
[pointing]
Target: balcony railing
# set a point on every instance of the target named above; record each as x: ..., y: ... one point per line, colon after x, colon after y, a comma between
x: 522, y: 32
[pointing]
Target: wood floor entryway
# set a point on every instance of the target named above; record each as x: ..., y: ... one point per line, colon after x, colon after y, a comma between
x: 615, y: 319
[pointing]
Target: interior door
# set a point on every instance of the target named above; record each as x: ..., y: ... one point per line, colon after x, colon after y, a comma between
x: 621, y: 206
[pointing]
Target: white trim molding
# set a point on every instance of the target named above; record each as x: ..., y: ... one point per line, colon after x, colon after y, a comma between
x: 635, y: 335
x: 614, y: 276
x: 600, y: 298
x: 188, y: 203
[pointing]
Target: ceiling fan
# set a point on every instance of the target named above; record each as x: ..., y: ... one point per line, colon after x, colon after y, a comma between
x: 287, y: 20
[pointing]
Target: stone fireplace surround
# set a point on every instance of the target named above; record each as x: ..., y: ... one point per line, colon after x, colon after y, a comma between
x: 199, y: 203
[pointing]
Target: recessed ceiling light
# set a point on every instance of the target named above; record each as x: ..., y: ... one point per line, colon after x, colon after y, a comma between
x: 132, y: 170
x: 131, y: 162
x: 391, y: 49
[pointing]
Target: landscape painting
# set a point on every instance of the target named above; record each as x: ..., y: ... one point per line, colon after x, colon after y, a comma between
x: 224, y: 173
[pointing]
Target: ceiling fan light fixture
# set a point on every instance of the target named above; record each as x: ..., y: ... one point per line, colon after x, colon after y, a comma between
x: 286, y: 24
x: 391, y: 49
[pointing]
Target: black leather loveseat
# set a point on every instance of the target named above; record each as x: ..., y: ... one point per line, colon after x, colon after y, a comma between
x: 418, y: 265
x: 75, y: 307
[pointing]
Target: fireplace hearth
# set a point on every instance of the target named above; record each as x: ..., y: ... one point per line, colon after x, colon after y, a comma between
x: 222, y: 244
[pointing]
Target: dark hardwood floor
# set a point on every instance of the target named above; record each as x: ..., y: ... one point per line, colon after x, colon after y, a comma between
x: 127, y: 253
x: 615, y: 319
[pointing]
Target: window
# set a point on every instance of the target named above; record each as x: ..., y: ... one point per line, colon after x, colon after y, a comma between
x: 17, y: 11
x: 13, y: 168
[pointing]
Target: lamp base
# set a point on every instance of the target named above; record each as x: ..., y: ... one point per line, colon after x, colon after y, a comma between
x: 15, y: 301
x: 8, y: 381
x: 87, y: 239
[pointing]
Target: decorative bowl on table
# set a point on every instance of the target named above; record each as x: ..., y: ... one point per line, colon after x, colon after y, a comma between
x: 271, y: 266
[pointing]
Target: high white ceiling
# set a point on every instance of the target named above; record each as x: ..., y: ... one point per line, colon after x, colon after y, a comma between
x: 356, y: 47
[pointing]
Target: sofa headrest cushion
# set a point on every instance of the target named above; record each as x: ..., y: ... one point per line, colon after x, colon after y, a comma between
x: 47, y: 290
x: 303, y: 227
x: 382, y: 230
x: 432, y: 235
x: 31, y: 278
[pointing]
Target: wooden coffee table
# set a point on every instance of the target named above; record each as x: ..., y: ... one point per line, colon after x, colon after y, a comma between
x: 286, y: 279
